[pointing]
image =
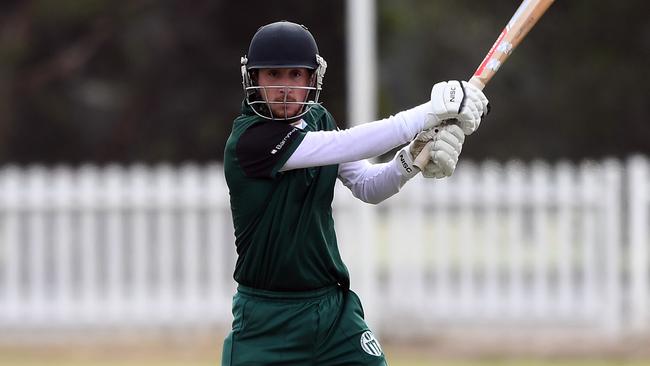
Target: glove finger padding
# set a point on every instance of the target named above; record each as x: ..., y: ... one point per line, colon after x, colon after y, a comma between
x: 475, y: 94
x: 444, y: 152
x: 445, y: 161
x: 450, y: 149
x: 453, y: 134
x: 469, y: 118
x: 431, y: 170
x: 475, y: 106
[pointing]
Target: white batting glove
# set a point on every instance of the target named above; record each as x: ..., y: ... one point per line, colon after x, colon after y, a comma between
x: 475, y: 107
x: 443, y: 151
x: 457, y: 100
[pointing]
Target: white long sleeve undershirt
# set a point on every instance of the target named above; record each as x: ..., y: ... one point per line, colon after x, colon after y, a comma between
x: 365, y: 141
x: 371, y: 183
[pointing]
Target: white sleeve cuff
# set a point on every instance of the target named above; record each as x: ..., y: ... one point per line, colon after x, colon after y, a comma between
x: 373, y: 183
x: 404, y: 162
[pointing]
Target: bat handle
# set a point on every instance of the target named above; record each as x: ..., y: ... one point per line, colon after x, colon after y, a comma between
x: 476, y: 81
x: 423, y: 157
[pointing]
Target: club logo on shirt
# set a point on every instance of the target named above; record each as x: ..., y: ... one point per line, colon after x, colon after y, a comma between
x: 279, y: 146
x: 370, y: 344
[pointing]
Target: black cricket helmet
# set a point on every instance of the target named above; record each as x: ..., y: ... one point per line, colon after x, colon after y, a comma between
x: 282, y: 45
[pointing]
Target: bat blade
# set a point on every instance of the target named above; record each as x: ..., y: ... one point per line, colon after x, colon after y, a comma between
x: 526, y: 16
x: 523, y: 20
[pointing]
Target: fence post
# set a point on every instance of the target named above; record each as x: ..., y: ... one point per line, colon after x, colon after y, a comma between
x: 540, y: 195
x: 88, y: 242
x: 566, y: 197
x: 10, y: 258
x: 514, y: 185
x: 406, y: 243
x: 638, y: 233
x: 36, y: 248
x: 190, y: 194
x: 613, y: 246
x: 62, y: 196
x: 490, y: 198
x: 442, y: 297
x: 115, y: 180
x: 221, y: 244
x: 589, y: 199
x: 466, y: 196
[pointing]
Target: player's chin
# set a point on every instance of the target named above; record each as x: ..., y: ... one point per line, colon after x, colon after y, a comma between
x: 289, y: 112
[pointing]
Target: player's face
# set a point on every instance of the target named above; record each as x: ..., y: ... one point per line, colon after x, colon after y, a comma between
x: 285, y: 82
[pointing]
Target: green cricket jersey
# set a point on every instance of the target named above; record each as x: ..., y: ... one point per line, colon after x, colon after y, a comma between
x: 284, y: 231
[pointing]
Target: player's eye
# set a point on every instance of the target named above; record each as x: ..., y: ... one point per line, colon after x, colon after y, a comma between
x: 272, y: 73
x: 296, y: 73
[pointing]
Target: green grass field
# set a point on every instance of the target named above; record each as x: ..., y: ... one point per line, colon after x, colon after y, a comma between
x: 395, y: 362
x: 205, y: 351
x: 203, y: 357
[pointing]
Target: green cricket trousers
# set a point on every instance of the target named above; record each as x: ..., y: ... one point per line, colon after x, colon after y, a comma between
x: 320, y: 327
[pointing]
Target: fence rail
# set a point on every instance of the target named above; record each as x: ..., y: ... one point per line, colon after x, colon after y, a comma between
x: 497, y: 244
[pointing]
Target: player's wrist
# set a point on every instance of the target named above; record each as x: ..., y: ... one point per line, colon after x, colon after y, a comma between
x: 404, y: 162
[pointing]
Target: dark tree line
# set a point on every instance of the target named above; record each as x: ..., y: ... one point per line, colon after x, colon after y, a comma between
x: 577, y: 87
x: 104, y: 81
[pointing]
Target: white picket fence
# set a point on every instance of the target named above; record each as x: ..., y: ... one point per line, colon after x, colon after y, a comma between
x: 497, y: 244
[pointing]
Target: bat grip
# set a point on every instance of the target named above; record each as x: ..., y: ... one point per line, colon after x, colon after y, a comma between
x: 423, y: 157
x: 474, y: 80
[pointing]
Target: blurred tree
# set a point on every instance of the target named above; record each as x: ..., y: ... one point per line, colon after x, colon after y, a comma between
x: 103, y: 81
x: 576, y: 88
x: 100, y: 81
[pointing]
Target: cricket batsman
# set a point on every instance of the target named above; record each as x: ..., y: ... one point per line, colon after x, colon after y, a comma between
x: 293, y: 304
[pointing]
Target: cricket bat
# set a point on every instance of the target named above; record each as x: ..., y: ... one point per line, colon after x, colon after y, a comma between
x: 514, y: 32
